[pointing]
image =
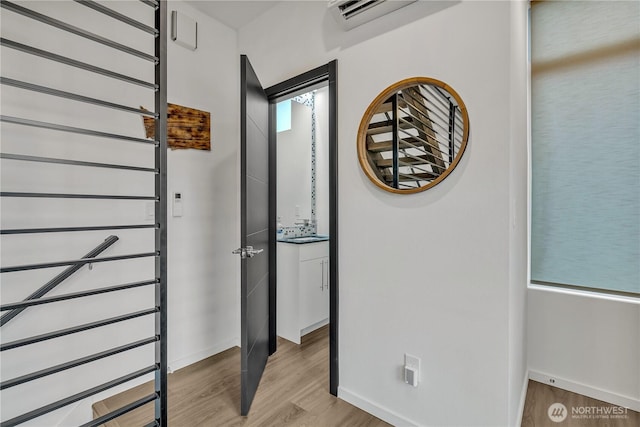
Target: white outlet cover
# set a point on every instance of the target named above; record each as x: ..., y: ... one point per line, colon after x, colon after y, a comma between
x: 412, y: 362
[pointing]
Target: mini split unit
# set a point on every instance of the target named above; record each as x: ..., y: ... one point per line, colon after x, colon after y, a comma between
x: 351, y: 13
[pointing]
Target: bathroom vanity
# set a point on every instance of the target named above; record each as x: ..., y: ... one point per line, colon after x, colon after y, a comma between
x: 303, y: 286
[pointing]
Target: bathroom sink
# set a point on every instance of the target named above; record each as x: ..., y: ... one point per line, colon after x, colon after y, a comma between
x: 306, y: 239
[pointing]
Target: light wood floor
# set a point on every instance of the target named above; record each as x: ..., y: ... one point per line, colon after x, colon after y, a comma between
x: 588, y: 412
x: 293, y: 392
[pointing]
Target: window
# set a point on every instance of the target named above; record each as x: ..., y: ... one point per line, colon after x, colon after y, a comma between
x: 283, y: 116
x: 585, y: 121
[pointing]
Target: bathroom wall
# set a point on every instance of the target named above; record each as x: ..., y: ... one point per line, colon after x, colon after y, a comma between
x: 294, y: 167
x: 295, y: 171
x: 322, y: 160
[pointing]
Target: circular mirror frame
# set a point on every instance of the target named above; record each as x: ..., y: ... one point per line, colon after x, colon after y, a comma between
x: 377, y: 103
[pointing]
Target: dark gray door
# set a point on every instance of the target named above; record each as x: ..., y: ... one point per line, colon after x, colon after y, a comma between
x: 254, y: 136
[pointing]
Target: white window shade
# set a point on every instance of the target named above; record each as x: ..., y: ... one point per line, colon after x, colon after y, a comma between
x: 585, y: 94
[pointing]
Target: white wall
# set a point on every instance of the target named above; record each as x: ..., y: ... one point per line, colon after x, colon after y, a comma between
x: 203, y: 280
x: 587, y: 344
x: 518, y: 184
x: 322, y: 160
x: 204, y: 277
x: 294, y: 167
x: 428, y: 274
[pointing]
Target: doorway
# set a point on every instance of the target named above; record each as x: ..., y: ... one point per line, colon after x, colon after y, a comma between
x: 258, y: 219
x: 322, y: 77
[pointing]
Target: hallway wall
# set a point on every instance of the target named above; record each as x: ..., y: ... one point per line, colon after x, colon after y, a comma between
x: 429, y: 274
x: 203, y: 279
x: 204, y: 276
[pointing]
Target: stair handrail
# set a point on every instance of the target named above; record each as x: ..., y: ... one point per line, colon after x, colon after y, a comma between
x: 51, y: 284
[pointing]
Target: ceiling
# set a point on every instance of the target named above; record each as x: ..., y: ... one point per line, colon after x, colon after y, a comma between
x: 234, y: 14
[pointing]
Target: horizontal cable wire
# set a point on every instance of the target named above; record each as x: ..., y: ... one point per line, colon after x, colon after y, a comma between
x: 76, y: 397
x: 438, y: 95
x: 74, y: 196
x: 430, y: 141
x: 77, y: 362
x: 421, y: 131
x: 404, y: 141
x: 74, y: 295
x: 26, y: 158
x: 408, y: 113
x: 74, y: 63
x: 68, y: 331
x: 121, y: 411
x: 444, y: 118
x: 72, y: 229
x: 75, y: 30
x: 75, y: 261
x: 425, y: 102
x: 71, y: 129
x: 116, y: 15
x: 152, y: 3
x: 436, y: 123
x: 73, y: 96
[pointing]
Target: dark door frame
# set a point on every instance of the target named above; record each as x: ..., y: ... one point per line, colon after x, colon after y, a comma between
x: 328, y: 73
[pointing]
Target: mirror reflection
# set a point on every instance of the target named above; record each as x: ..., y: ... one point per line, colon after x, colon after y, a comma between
x: 303, y: 164
x: 413, y: 135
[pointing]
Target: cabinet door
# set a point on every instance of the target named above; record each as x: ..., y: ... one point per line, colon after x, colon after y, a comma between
x: 313, y: 291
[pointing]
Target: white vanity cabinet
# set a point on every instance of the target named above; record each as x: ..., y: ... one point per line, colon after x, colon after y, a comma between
x: 302, y: 289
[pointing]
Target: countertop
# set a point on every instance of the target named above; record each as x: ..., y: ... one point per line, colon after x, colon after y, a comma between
x: 304, y: 240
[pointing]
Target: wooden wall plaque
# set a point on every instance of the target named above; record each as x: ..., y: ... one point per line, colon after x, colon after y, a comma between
x: 186, y: 128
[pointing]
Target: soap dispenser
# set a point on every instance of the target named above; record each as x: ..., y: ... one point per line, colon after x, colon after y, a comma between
x: 280, y: 229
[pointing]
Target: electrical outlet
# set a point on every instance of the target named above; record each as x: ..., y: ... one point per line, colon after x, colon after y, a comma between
x: 411, y: 370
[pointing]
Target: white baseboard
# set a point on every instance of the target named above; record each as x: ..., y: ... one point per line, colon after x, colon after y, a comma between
x: 366, y: 405
x: 315, y: 326
x: 586, y: 390
x: 523, y: 398
x: 203, y: 354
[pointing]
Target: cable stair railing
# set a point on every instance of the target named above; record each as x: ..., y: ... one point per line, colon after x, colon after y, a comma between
x: 85, y: 333
x: 33, y: 299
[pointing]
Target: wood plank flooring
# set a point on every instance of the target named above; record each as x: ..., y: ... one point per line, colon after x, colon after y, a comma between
x: 293, y: 392
x: 580, y: 411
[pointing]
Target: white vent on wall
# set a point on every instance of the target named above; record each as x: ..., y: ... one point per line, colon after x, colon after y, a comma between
x: 351, y: 13
x: 184, y: 30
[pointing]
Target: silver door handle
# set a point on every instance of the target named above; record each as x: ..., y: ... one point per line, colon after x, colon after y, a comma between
x: 247, y: 252
x: 326, y: 263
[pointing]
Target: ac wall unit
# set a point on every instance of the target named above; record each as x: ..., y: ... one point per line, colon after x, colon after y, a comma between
x: 351, y: 13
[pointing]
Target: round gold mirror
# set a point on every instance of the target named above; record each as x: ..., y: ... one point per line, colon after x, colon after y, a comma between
x: 413, y: 135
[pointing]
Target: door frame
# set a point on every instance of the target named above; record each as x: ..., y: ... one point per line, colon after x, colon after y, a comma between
x: 328, y: 73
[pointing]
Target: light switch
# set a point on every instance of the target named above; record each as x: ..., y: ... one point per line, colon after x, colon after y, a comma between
x: 177, y: 204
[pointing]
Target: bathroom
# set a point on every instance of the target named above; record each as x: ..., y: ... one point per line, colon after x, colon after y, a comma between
x: 303, y: 213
